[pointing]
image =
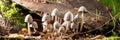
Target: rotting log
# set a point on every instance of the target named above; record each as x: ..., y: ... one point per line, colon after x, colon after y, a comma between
x: 93, y: 6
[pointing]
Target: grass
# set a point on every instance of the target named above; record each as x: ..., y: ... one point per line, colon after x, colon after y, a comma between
x: 115, y: 6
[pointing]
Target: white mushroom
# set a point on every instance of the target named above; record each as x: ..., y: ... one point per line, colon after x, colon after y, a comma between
x: 76, y: 19
x: 57, y: 15
x: 60, y: 17
x: 68, y: 18
x: 44, y: 24
x: 75, y: 23
x: 82, y: 9
x: 35, y: 25
x: 74, y: 26
x: 56, y: 25
x: 61, y: 29
x: 28, y: 20
x: 54, y: 14
x: 45, y: 20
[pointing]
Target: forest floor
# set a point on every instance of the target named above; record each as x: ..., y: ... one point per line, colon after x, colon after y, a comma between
x: 93, y: 29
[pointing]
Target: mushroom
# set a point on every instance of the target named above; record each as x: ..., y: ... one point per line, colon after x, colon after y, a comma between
x: 61, y: 29
x: 75, y: 23
x: 68, y: 18
x: 35, y: 25
x: 82, y: 9
x: 57, y: 15
x: 45, y: 20
x: 56, y: 26
x: 28, y: 20
x: 54, y: 14
x: 60, y: 17
x: 74, y: 27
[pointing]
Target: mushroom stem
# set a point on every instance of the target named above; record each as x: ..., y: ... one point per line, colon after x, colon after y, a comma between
x: 29, y: 32
x: 60, y: 21
x: 82, y: 22
x: 67, y: 28
x: 35, y: 30
x: 55, y: 18
x: 77, y: 28
x: 52, y: 18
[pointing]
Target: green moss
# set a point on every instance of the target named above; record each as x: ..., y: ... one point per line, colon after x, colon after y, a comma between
x: 11, y: 12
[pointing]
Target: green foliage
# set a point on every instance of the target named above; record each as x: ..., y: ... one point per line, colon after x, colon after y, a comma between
x: 112, y: 38
x: 115, y: 6
x: 11, y: 12
x: 55, y: 0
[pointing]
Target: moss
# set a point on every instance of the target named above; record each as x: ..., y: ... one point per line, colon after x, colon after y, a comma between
x: 11, y: 12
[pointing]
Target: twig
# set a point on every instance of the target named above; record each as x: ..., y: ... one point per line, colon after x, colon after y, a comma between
x: 113, y: 27
x: 96, y: 28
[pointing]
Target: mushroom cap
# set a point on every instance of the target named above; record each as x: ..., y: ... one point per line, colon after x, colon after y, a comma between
x: 34, y: 24
x: 76, y: 19
x: 82, y: 9
x: 28, y: 19
x: 45, y: 18
x: 56, y: 25
x: 64, y: 24
x: 54, y: 12
x: 68, y: 16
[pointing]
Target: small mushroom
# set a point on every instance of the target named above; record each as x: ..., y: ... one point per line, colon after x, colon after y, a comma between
x: 54, y: 14
x: 35, y: 25
x: 60, y: 17
x: 74, y: 27
x: 75, y: 23
x: 56, y: 25
x: 45, y: 20
x: 82, y: 9
x: 28, y: 20
x: 57, y: 15
x: 61, y: 29
x: 68, y: 18
x: 44, y: 24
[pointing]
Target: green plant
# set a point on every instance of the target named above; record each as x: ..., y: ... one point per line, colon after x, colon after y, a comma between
x: 115, y: 6
x: 112, y: 38
x: 11, y: 12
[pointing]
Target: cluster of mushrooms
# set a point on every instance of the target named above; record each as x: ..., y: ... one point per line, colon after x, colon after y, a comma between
x: 71, y: 22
